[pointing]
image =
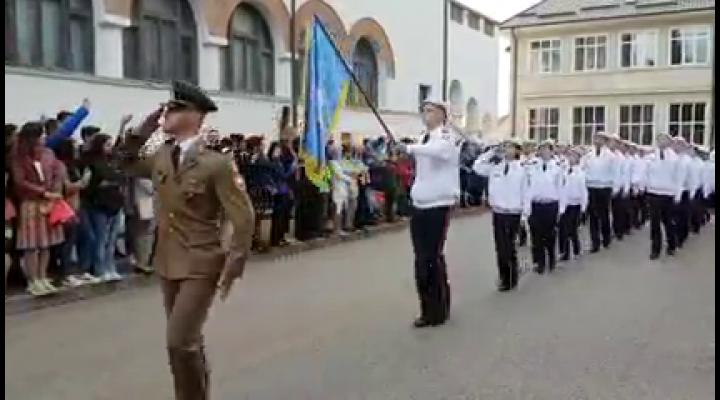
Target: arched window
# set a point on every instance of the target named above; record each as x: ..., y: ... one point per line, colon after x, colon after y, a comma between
x: 365, y: 68
x: 50, y: 34
x: 250, y: 59
x: 162, y: 44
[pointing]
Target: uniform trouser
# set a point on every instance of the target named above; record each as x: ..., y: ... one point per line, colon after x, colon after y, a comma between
x: 661, y: 211
x: 681, y: 218
x: 428, y: 229
x: 568, y: 230
x: 186, y: 307
x: 697, y: 206
x: 505, y: 229
x: 522, y: 235
x: 619, y: 215
x: 543, y: 232
x: 639, y: 210
x: 599, y: 215
x: 141, y: 234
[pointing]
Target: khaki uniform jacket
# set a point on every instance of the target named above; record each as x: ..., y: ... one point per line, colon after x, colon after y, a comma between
x: 191, y: 202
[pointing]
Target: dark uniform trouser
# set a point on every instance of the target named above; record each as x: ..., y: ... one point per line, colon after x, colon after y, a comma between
x: 681, y: 218
x: 428, y: 229
x: 619, y: 215
x: 661, y: 209
x: 697, y: 206
x: 599, y: 215
x: 505, y: 230
x: 639, y: 213
x: 543, y: 233
x: 568, y: 230
x: 186, y: 306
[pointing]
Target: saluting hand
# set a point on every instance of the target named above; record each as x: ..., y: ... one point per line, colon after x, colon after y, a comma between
x: 234, y: 268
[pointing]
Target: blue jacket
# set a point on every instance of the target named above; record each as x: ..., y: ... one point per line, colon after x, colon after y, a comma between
x: 66, y: 129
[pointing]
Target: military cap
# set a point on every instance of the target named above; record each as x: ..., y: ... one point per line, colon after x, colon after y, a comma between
x: 513, y: 142
x: 547, y: 142
x: 186, y: 94
x: 437, y: 103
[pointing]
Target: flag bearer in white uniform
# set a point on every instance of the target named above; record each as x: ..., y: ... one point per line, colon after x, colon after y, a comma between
x: 435, y: 191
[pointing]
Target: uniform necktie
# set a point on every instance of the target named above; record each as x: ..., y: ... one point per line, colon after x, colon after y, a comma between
x: 544, y: 167
x: 426, y: 138
x: 662, y: 155
x: 176, y: 157
x: 570, y: 172
x: 597, y: 151
x: 507, y: 168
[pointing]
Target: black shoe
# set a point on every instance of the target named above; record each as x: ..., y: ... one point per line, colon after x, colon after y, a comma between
x: 595, y: 249
x: 671, y: 252
x: 565, y: 257
x: 421, y: 322
x: 654, y: 256
x: 504, y: 287
x: 551, y: 267
x: 539, y: 270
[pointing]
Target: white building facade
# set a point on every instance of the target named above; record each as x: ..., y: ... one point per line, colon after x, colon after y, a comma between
x: 636, y: 68
x: 121, y: 54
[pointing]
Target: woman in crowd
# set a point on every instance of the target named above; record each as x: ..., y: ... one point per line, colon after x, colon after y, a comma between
x: 73, y: 183
x: 104, y: 200
x: 342, y: 179
x: 37, y: 186
x: 282, y: 198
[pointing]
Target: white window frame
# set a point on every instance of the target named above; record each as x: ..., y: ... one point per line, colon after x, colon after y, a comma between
x: 607, y: 52
x: 582, y: 125
x: 655, y: 32
x: 640, y: 124
x: 538, y: 54
x: 710, y: 44
x: 547, y: 125
x: 692, y: 123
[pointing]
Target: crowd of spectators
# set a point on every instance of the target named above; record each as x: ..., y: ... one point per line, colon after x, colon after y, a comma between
x: 71, y: 212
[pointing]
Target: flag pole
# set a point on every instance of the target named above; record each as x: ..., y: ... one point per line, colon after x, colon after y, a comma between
x: 349, y: 70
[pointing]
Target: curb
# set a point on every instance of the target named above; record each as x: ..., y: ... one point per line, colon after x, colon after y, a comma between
x: 25, y: 303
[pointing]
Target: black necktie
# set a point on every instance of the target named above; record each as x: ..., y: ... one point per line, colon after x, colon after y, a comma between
x: 544, y: 167
x: 426, y: 138
x: 662, y: 155
x: 507, y: 168
x: 597, y: 151
x: 570, y: 172
x: 176, y: 156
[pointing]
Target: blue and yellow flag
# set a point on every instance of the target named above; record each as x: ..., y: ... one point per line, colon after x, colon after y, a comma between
x: 327, y: 86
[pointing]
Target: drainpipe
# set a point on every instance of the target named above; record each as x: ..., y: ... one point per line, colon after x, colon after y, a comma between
x: 293, y: 66
x: 514, y: 45
x: 445, y: 49
x: 712, y: 114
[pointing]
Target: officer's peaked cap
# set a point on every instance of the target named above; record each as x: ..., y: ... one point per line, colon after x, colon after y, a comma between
x: 189, y: 93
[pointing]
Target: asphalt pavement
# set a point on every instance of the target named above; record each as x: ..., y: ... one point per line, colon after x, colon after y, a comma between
x: 335, y: 324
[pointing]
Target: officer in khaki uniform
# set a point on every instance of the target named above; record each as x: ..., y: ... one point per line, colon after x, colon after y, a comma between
x: 196, y: 187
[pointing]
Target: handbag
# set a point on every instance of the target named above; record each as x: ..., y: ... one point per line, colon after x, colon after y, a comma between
x: 60, y: 213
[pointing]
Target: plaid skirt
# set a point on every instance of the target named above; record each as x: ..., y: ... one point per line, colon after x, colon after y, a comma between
x: 33, y: 229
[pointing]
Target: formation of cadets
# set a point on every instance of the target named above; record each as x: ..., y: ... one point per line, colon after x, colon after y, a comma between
x: 613, y: 186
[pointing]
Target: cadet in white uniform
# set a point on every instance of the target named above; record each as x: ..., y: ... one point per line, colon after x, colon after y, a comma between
x: 506, y: 192
x: 599, y: 170
x: 709, y: 180
x: 620, y: 188
x: 663, y: 191
x: 435, y: 191
x: 575, y: 196
x: 543, y: 205
x: 681, y: 210
x: 697, y: 203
